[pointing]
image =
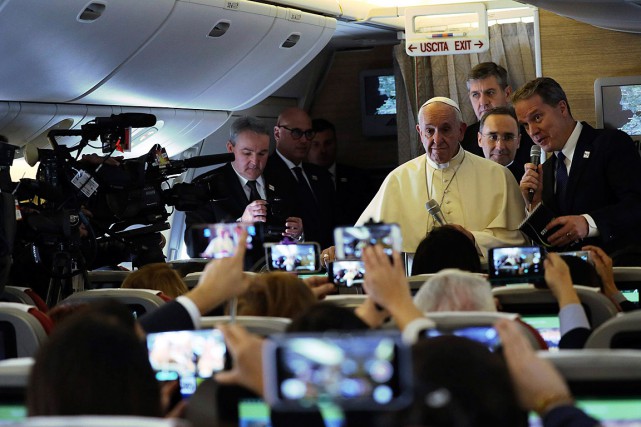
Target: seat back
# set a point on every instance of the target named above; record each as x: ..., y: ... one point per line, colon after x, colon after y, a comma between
x: 261, y: 325
x: 25, y: 296
x: 23, y: 328
x: 451, y: 320
x: 623, y: 331
x: 346, y: 300
x: 14, y: 377
x: 100, y: 279
x: 140, y: 301
x: 191, y: 279
x: 101, y: 421
x: 526, y: 299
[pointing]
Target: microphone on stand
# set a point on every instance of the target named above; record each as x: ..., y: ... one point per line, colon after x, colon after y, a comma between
x: 535, y: 158
x: 434, y: 209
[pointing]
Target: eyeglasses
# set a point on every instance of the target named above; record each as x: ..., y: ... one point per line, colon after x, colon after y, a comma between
x: 298, y: 133
x: 495, y: 137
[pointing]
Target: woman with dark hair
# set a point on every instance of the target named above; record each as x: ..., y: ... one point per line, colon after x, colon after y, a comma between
x: 93, y: 364
x: 445, y: 247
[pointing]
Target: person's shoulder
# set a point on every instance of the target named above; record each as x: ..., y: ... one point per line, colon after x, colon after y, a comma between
x: 599, y: 135
x: 417, y: 164
x: 488, y: 167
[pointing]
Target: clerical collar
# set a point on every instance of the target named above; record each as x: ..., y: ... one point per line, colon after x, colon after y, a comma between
x: 454, y: 161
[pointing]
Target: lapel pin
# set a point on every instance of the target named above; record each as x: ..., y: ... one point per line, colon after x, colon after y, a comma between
x: 271, y: 187
x: 586, y: 154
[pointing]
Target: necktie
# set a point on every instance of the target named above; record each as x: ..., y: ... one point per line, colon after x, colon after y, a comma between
x: 561, y: 182
x: 253, y: 191
x: 303, y: 188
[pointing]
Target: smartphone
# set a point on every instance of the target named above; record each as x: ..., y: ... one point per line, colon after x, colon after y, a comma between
x: 188, y: 356
x: 220, y: 240
x: 347, y: 273
x: 486, y: 335
x: 584, y: 255
x: 369, y: 370
x: 350, y: 241
x: 300, y: 258
x: 519, y: 264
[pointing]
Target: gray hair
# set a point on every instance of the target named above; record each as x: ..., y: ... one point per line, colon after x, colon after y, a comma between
x: 246, y: 124
x: 455, y: 290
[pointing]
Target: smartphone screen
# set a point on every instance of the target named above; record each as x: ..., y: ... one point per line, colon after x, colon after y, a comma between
x: 520, y: 264
x: 347, y: 273
x: 369, y: 370
x: 485, y: 335
x: 302, y: 258
x: 220, y: 240
x: 350, y: 241
x: 187, y: 356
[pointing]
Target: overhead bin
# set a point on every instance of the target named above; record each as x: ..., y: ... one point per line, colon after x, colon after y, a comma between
x: 217, y: 55
x: 295, y: 39
x: 50, y: 54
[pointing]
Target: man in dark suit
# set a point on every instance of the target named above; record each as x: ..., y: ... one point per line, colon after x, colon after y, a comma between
x: 593, y: 179
x: 499, y: 136
x: 353, y: 192
x: 488, y: 88
x: 306, y: 188
x: 241, y: 191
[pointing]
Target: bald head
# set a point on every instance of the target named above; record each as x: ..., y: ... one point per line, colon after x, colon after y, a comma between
x: 293, y: 134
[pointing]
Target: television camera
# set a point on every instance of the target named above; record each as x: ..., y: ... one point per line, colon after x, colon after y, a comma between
x: 82, y: 205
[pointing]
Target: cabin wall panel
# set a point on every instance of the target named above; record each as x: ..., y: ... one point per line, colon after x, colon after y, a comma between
x: 338, y: 101
x: 575, y: 54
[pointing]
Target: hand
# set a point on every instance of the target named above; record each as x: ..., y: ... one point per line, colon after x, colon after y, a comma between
x: 167, y: 390
x: 538, y: 385
x: 385, y: 283
x: 221, y: 279
x: 256, y: 211
x: 573, y: 228
x: 247, y: 352
x: 603, y: 265
x: 293, y: 227
x: 532, y: 179
x: 328, y: 255
x: 94, y: 159
x: 558, y: 279
x: 370, y: 314
x: 320, y: 286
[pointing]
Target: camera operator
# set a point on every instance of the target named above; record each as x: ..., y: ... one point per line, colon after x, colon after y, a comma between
x: 241, y: 192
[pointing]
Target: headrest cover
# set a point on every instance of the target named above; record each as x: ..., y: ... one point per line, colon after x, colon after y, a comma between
x: 442, y: 99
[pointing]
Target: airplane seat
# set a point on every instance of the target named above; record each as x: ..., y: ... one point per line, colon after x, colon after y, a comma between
x: 140, y: 301
x: 191, y: 279
x: 346, y: 300
x: 23, y: 328
x: 451, y: 320
x: 101, y: 421
x: 14, y: 378
x: 623, y: 331
x: 526, y: 299
x: 100, y: 279
x: 261, y: 325
x: 25, y: 296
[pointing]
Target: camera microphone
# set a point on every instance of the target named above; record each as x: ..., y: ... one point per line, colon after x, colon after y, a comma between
x: 126, y: 120
x: 210, y: 160
x: 535, y: 158
x: 434, y: 209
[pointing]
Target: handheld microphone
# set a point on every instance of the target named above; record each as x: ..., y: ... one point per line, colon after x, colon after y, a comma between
x: 535, y: 158
x: 434, y: 209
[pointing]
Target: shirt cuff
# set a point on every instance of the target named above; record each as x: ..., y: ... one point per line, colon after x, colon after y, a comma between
x: 191, y: 309
x: 619, y: 297
x: 413, y: 329
x: 572, y: 316
x: 593, y: 231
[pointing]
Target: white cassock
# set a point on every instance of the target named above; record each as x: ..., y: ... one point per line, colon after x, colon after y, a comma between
x: 478, y: 194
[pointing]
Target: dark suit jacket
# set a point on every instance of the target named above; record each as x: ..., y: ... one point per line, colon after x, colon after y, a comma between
x: 604, y: 182
x: 470, y: 143
x: 353, y: 194
x: 575, y: 338
x: 318, y: 217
